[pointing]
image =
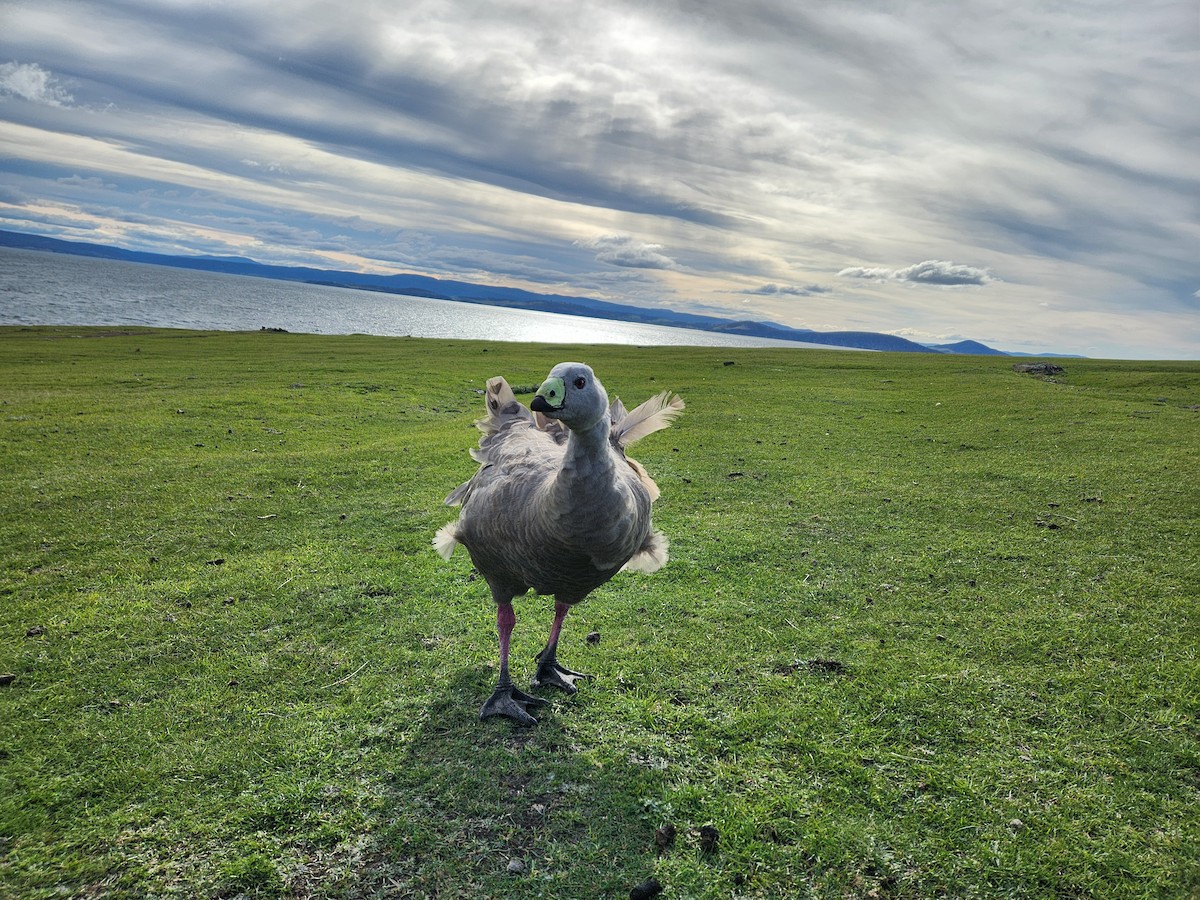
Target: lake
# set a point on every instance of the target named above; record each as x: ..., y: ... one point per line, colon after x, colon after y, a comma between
x: 43, y: 288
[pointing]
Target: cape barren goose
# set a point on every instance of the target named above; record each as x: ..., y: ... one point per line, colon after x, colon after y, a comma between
x: 556, y: 506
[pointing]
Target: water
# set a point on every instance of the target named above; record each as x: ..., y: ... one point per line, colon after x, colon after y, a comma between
x: 40, y: 288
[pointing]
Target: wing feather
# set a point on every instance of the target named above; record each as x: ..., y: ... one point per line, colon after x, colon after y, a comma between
x: 654, y: 415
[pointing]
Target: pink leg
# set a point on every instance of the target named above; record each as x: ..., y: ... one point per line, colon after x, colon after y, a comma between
x: 550, y: 672
x: 506, y: 619
x: 506, y: 700
x: 560, y: 613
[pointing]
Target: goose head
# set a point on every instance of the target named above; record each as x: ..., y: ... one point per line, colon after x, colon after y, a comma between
x: 572, y: 394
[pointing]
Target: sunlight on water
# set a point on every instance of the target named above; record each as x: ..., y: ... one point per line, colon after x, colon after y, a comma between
x: 40, y: 288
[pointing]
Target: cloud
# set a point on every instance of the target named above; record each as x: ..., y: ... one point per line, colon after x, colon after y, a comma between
x: 90, y: 183
x: 787, y: 290
x: 31, y: 82
x: 758, y: 140
x: 626, y: 251
x: 931, y: 271
x: 859, y: 272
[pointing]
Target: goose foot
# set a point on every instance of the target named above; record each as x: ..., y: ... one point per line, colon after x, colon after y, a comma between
x: 550, y: 673
x: 511, y: 703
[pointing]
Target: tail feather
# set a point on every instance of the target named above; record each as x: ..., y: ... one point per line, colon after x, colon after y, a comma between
x: 502, y: 407
x: 655, y: 414
x: 446, y: 540
x: 652, y: 556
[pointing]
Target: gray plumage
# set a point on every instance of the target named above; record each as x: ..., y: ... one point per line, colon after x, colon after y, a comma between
x: 557, y: 510
x: 556, y: 505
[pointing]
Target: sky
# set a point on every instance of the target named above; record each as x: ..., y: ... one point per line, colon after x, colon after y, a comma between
x: 1025, y: 174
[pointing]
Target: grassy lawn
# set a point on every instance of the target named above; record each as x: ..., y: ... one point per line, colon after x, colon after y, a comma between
x: 930, y: 628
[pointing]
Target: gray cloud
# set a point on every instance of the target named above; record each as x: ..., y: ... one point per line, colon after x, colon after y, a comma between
x: 13, y: 196
x: 623, y: 250
x: 931, y: 271
x: 874, y: 273
x: 771, y: 289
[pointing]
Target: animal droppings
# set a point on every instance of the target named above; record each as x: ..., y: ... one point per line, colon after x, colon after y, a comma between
x: 593, y: 637
x: 516, y: 867
x: 708, y: 839
x: 664, y: 836
x: 648, y: 888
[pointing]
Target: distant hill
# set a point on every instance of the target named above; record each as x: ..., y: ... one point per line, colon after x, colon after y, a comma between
x: 465, y: 292
x: 972, y: 347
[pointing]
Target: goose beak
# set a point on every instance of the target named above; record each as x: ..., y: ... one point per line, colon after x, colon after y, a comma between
x: 549, y: 397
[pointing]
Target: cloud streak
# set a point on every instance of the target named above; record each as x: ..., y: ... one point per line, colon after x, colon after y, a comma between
x: 734, y: 157
x: 931, y: 271
x: 771, y: 289
x: 623, y: 250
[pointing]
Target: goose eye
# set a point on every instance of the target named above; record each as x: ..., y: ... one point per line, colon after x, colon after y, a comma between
x: 579, y: 383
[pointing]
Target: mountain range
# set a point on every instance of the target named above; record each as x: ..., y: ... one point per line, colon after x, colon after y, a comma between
x: 467, y: 292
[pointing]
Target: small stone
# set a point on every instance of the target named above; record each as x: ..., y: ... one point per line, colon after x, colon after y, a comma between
x: 1016, y: 824
x: 1044, y: 369
x: 516, y: 867
x: 708, y: 839
x: 35, y: 631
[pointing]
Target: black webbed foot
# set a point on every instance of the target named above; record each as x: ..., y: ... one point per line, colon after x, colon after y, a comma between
x: 511, y: 703
x: 550, y: 673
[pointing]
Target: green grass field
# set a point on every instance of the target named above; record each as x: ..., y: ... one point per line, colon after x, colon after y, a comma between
x: 930, y: 628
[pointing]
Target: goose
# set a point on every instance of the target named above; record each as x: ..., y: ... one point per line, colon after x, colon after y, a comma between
x: 557, y: 507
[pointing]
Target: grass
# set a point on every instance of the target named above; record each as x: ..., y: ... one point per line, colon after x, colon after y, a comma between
x: 930, y: 628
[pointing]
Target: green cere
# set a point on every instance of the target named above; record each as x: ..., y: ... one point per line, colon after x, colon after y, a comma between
x: 553, y: 391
